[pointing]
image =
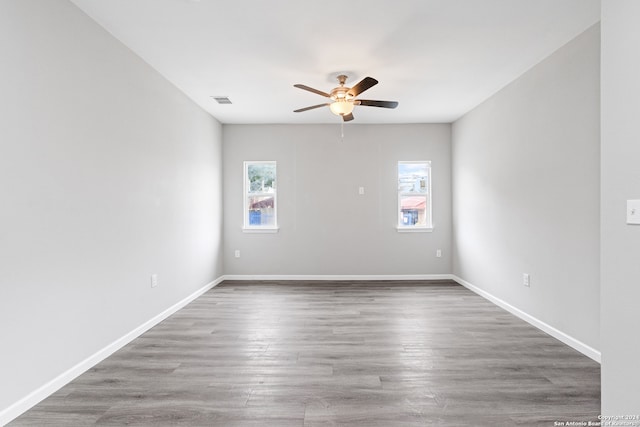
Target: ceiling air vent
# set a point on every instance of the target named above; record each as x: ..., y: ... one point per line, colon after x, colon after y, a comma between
x: 222, y: 99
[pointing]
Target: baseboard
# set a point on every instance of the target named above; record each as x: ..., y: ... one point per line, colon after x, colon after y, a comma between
x: 13, y: 411
x: 583, y: 348
x: 338, y: 277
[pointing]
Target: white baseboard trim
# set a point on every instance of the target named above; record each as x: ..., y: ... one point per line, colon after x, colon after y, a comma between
x: 13, y: 411
x: 338, y: 277
x: 583, y: 348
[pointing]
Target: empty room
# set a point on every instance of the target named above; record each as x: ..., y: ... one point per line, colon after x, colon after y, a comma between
x: 281, y: 213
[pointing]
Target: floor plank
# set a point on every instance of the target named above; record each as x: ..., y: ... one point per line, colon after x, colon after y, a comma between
x: 386, y: 353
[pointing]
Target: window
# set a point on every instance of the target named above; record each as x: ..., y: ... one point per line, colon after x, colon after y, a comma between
x: 414, y: 196
x: 260, y: 201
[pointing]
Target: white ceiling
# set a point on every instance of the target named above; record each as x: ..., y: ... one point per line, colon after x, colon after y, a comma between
x: 437, y: 58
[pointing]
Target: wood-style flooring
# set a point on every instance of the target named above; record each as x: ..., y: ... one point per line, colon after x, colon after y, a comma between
x: 333, y: 354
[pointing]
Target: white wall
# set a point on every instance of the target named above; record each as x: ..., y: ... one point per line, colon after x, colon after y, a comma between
x: 107, y: 175
x: 526, y: 191
x: 326, y: 228
x: 620, y: 280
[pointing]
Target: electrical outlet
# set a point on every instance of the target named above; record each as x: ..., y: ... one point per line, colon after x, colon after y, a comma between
x: 526, y: 280
x: 237, y: 253
x: 439, y: 253
x: 154, y: 280
x: 633, y: 211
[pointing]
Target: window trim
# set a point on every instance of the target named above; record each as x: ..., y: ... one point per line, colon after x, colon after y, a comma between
x: 246, y: 227
x: 428, y: 227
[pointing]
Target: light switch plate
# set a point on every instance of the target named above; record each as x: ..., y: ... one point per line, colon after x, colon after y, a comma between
x: 633, y: 211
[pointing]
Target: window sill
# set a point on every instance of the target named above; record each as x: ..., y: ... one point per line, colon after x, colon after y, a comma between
x: 414, y: 229
x: 260, y: 230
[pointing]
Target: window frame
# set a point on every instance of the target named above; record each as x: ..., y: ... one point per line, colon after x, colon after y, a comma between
x: 246, y: 223
x: 428, y: 227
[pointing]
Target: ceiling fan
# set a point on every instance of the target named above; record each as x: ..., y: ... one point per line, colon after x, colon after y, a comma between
x: 343, y: 98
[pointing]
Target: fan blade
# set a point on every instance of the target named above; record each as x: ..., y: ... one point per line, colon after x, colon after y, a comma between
x: 371, y: 103
x: 347, y: 117
x: 363, y: 85
x: 309, y: 108
x: 310, y: 89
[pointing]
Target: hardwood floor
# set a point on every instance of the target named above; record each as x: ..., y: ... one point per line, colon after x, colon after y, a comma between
x: 333, y: 353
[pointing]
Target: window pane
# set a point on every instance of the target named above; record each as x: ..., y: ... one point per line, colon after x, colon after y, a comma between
x: 413, y: 211
x: 260, y: 195
x: 261, y: 210
x: 262, y: 177
x: 413, y: 177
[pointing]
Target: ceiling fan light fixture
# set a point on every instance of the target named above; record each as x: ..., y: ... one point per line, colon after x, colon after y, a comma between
x: 341, y: 107
x: 344, y: 98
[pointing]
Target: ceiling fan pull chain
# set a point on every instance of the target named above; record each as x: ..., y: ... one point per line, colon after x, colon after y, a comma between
x: 342, y: 131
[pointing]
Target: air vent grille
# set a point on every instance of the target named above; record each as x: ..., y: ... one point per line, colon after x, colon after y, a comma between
x: 222, y: 99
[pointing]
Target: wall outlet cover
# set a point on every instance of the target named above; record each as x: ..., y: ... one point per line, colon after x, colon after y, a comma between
x: 633, y: 211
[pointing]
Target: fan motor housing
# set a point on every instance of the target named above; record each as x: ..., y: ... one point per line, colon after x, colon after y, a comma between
x: 340, y: 92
